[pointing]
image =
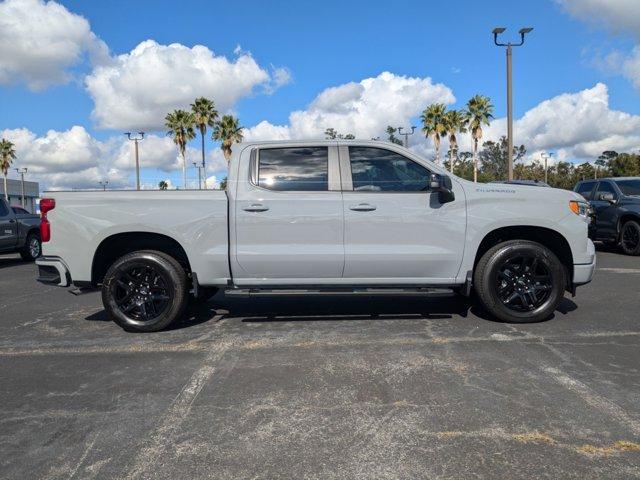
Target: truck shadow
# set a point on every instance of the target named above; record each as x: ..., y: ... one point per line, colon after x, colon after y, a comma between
x: 324, y: 309
x: 6, y: 262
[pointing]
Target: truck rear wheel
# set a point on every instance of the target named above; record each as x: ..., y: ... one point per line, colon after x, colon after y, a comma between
x: 520, y: 281
x: 630, y: 238
x: 32, y: 248
x: 145, y: 291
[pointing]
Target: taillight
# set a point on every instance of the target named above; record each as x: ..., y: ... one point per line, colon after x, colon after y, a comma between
x: 46, y: 205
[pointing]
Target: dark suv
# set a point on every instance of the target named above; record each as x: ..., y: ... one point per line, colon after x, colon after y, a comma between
x: 616, y: 206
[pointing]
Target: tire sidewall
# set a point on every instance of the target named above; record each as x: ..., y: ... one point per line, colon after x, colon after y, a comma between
x: 545, y: 256
x: 169, y: 274
x: 26, y: 250
x: 630, y: 224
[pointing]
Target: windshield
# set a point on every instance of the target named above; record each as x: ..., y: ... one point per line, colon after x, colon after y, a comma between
x: 629, y: 187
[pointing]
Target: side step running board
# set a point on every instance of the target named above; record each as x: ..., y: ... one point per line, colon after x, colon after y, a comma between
x: 286, y: 292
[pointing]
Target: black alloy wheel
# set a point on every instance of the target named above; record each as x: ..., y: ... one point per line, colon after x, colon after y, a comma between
x: 145, y: 291
x: 630, y: 238
x: 141, y: 292
x: 524, y: 283
x: 520, y: 281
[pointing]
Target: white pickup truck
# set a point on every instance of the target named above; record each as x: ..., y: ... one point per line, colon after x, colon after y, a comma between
x: 320, y: 217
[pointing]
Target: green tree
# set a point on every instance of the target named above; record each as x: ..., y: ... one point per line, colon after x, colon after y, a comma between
x: 205, y: 115
x: 228, y: 131
x: 494, y: 159
x: 163, y: 185
x: 479, y: 112
x: 625, y: 165
x: 455, y: 121
x: 332, y: 134
x: 391, y: 135
x: 433, y: 118
x: 180, y: 125
x: 223, y: 184
x: 7, y: 156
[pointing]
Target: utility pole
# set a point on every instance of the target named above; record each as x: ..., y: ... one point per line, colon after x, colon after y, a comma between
x: 546, y: 156
x: 104, y: 185
x: 136, y: 139
x: 497, y: 31
x: 406, y: 135
x: 199, y: 167
x: 22, y: 172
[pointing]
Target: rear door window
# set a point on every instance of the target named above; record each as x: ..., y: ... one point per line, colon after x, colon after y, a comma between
x: 301, y: 169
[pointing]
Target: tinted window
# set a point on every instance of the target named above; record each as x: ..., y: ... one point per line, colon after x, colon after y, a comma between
x: 605, y: 187
x: 3, y: 209
x: 629, y: 187
x: 379, y: 170
x: 585, y: 189
x: 19, y: 211
x: 295, y: 169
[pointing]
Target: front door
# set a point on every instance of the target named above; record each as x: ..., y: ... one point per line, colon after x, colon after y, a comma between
x: 8, y: 228
x: 288, y: 217
x: 605, y: 211
x: 396, y: 230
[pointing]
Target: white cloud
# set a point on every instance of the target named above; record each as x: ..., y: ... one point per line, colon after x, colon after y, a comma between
x: 40, y: 42
x: 576, y: 126
x: 616, y: 14
x: 363, y: 108
x: 139, y: 88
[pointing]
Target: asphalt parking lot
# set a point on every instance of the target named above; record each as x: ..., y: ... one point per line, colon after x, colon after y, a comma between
x: 321, y: 388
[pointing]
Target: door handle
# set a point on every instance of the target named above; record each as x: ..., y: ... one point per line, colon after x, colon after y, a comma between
x: 255, y: 207
x: 362, y: 207
x: 12, y: 221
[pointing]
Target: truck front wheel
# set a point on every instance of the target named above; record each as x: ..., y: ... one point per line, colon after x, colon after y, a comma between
x: 520, y: 281
x: 145, y: 291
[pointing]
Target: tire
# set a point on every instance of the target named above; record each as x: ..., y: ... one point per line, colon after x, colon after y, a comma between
x: 204, y: 294
x: 520, y: 281
x: 145, y: 291
x: 32, y: 247
x: 630, y: 238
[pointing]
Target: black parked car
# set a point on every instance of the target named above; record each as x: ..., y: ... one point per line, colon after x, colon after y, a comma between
x: 616, y: 206
x: 19, y: 231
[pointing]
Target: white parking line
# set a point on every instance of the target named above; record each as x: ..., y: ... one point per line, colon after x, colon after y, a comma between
x: 620, y: 270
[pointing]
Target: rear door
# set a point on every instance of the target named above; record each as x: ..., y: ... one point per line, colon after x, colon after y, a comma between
x: 8, y: 227
x: 288, y: 216
x: 396, y: 230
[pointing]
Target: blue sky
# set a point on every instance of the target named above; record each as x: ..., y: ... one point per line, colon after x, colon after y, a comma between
x: 330, y: 43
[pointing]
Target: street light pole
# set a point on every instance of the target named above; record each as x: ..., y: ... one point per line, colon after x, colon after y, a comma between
x: 104, y: 185
x: 136, y: 139
x: 22, y: 172
x: 199, y: 167
x: 497, y: 31
x: 406, y: 134
x: 546, y: 156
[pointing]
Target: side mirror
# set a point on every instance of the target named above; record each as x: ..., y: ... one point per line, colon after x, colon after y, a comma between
x: 442, y: 184
x: 607, y: 197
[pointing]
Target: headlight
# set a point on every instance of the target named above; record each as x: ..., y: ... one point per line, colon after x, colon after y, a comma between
x: 580, y: 208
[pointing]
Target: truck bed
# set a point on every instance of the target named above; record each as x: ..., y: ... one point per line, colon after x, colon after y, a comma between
x: 196, y: 219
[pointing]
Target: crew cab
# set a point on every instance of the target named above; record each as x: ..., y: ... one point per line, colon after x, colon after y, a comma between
x: 616, y: 207
x: 19, y: 231
x: 314, y: 218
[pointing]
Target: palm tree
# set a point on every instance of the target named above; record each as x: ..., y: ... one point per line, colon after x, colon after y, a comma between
x: 479, y: 112
x: 454, y: 121
x: 180, y: 124
x: 228, y: 132
x: 205, y: 114
x: 433, y: 125
x: 163, y: 185
x: 7, y: 155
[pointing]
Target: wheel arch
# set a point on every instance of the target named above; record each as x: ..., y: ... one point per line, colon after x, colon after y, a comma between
x: 552, y: 239
x: 624, y: 218
x: 115, y: 246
